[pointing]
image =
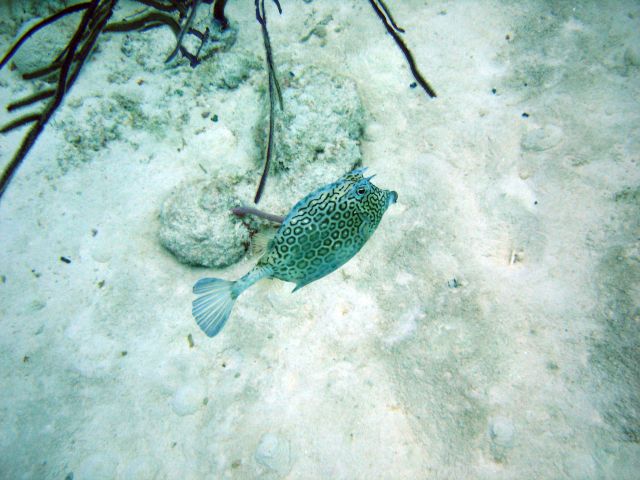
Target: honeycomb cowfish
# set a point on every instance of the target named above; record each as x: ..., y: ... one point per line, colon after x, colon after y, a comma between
x: 321, y: 233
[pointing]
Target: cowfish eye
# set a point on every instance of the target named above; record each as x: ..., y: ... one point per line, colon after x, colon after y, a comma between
x: 361, y: 190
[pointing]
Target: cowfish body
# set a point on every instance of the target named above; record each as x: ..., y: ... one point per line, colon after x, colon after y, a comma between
x: 321, y: 233
x: 326, y: 229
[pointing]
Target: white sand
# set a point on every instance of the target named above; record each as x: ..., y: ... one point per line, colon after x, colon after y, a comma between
x: 528, y: 369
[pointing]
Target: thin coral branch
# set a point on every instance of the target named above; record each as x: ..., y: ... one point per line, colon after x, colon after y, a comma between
x: 18, y: 122
x: 242, y: 211
x: 42, y: 72
x: 261, y: 16
x: 391, y: 28
x: 97, y: 27
x: 180, y: 5
x: 36, y: 97
x: 273, y: 86
x: 203, y: 39
x: 157, y: 19
x: 144, y: 22
x: 162, y: 6
x: 153, y: 19
x: 57, y: 62
x: 277, y: 5
x: 269, y: 152
x: 184, y: 30
x: 389, y: 17
x: 68, y: 64
x: 41, y: 24
x: 218, y: 13
x: 93, y: 21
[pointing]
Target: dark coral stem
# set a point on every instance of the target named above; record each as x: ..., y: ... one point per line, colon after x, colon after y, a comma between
x: 242, y: 211
x: 161, y: 6
x: 41, y: 24
x: 391, y: 20
x: 31, y: 99
x: 184, y: 30
x: 274, y: 86
x: 149, y: 20
x: 403, y: 47
x: 68, y: 63
x: 218, y: 13
x: 42, y: 72
x: 18, y: 122
x: 261, y: 16
x: 269, y: 152
x: 95, y: 17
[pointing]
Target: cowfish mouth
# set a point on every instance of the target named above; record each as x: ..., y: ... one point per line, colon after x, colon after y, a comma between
x: 392, y: 197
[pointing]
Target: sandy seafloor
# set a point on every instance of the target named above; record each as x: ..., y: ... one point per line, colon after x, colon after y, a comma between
x: 528, y: 366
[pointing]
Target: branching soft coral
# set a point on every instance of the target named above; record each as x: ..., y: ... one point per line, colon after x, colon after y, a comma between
x: 66, y: 66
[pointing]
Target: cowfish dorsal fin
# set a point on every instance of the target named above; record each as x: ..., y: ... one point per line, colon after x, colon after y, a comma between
x: 355, y: 175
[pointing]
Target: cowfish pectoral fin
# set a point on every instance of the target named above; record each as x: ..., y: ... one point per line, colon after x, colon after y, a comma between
x: 261, y: 241
x: 302, y: 283
x: 212, y: 308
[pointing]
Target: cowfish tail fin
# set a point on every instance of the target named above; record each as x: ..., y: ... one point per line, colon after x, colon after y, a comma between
x: 212, y: 308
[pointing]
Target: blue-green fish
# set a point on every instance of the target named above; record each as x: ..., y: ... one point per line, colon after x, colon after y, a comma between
x: 321, y: 233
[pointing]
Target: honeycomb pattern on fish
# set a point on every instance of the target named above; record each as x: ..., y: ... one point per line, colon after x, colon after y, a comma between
x: 325, y: 229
